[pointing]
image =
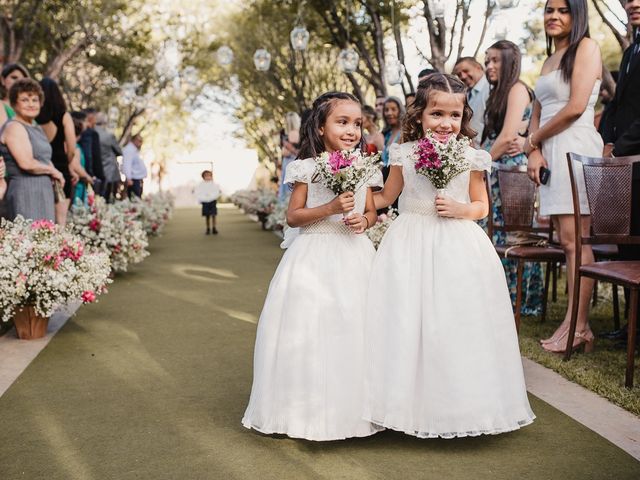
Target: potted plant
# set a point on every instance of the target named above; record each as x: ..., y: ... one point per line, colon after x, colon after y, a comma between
x: 43, y: 267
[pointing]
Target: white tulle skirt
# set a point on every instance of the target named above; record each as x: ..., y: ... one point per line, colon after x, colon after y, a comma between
x: 308, y: 378
x: 442, y: 351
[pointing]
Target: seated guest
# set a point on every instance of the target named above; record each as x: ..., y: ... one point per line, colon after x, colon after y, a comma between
x: 470, y: 71
x: 27, y: 154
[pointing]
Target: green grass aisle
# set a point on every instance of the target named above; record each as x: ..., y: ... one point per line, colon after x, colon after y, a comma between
x: 151, y: 383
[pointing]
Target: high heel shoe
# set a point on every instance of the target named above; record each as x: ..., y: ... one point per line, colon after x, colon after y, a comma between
x: 584, y: 339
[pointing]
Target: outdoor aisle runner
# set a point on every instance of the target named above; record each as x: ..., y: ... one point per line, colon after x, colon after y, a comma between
x: 151, y: 383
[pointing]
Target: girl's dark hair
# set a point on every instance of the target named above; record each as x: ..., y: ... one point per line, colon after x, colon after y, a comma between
x: 436, y: 82
x: 496, y: 108
x: 54, y: 105
x: 12, y: 67
x: 8, y: 70
x: 78, y: 125
x: 311, y: 143
x: 579, y: 11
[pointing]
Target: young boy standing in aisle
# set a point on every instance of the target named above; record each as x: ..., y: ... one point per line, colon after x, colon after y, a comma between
x: 207, y: 193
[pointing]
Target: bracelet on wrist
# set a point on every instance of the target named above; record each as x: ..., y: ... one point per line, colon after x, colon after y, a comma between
x: 367, y: 220
x: 531, y: 144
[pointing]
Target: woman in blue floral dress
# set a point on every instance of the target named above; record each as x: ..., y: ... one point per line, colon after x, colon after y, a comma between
x: 507, y: 115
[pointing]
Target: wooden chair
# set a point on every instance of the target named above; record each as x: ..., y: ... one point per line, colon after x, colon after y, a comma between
x: 607, y: 252
x: 517, y: 194
x: 608, y: 185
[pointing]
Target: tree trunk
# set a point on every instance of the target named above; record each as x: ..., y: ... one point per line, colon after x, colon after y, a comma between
x: 621, y: 39
x: 59, y: 61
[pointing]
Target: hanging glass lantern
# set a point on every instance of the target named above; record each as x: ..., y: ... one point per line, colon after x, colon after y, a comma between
x: 394, y: 72
x: 224, y: 55
x: 128, y: 93
x: 500, y: 26
x: 437, y: 8
x: 114, y: 113
x: 262, y: 60
x: 507, y: 3
x: 299, y: 38
x: 348, y: 60
x: 190, y: 76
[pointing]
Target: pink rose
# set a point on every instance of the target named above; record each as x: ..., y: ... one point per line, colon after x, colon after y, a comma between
x: 88, y: 296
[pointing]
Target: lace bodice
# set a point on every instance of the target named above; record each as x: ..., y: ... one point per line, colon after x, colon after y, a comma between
x: 418, y: 192
x: 317, y: 194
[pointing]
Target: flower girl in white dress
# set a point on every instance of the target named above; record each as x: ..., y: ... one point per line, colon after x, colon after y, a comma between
x: 443, y: 357
x: 308, y: 379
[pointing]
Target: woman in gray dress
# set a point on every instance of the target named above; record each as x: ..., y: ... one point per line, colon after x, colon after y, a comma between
x: 27, y: 155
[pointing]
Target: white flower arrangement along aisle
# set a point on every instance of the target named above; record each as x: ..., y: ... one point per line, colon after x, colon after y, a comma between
x: 46, y: 267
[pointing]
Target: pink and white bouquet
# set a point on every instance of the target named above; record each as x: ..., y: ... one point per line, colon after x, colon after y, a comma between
x: 346, y: 171
x: 45, y: 266
x: 112, y: 230
x: 441, y: 160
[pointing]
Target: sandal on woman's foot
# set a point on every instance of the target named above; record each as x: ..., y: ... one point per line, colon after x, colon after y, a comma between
x: 584, y: 338
x: 557, y: 335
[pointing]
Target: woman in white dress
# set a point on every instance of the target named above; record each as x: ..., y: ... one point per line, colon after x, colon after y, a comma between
x: 562, y: 122
x: 308, y: 379
x: 442, y: 355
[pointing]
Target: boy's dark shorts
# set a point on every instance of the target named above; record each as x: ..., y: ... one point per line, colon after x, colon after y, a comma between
x: 209, y: 209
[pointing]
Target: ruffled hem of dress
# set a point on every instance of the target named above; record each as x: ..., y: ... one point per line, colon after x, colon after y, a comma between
x: 449, y: 435
x: 312, y: 436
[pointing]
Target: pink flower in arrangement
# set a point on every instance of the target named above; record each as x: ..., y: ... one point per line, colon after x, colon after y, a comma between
x: 88, y: 296
x: 69, y: 252
x: 154, y: 227
x: 43, y: 225
x: 427, y: 155
x: 22, y: 278
x: 91, y: 200
x: 338, y: 161
x: 94, y: 224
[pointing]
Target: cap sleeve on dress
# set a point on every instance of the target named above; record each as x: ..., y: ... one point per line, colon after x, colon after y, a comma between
x: 299, y: 171
x: 480, y: 160
x: 395, y: 155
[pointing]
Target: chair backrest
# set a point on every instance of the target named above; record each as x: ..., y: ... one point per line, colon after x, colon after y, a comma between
x: 517, y: 196
x: 608, y: 185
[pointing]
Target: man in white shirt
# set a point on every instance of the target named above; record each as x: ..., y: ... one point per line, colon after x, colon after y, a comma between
x: 470, y: 71
x: 133, y: 166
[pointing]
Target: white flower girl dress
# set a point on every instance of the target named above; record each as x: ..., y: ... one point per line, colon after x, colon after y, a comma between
x: 308, y: 374
x: 442, y: 349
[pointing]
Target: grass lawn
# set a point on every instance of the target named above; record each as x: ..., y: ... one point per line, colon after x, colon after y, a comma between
x: 601, y: 371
